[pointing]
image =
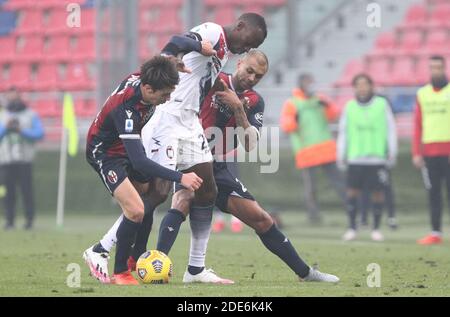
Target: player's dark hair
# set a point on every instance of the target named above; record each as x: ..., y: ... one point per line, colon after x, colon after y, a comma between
x: 159, y: 72
x: 362, y: 76
x: 255, y: 20
x: 437, y: 58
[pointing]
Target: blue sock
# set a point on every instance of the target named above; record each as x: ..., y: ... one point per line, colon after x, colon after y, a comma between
x: 140, y: 246
x: 168, y: 230
x: 278, y: 244
x: 126, y: 235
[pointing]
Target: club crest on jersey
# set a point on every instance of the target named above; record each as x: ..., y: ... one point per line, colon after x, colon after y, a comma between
x: 112, y: 177
x: 170, y: 152
x: 129, y: 125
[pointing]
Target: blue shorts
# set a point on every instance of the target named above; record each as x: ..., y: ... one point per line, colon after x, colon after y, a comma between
x: 114, y: 170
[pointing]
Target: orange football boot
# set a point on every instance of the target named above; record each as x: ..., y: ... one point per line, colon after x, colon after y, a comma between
x: 125, y: 278
x: 430, y: 239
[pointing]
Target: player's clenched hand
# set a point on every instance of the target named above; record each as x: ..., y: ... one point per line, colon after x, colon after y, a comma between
x: 229, y: 97
x: 207, y: 49
x: 191, y: 181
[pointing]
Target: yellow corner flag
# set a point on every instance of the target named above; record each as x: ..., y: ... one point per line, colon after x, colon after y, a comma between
x: 70, y: 123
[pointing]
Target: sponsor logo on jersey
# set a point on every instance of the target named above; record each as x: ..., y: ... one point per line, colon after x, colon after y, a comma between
x: 129, y: 113
x: 112, y: 177
x: 129, y: 124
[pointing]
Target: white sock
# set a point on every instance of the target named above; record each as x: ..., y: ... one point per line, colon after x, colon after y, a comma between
x: 110, y: 238
x: 200, y: 220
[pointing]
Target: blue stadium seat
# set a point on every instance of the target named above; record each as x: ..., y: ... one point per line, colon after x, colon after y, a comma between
x: 7, y: 22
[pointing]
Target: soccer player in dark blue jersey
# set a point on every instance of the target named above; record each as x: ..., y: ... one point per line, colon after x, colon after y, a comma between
x: 115, y: 151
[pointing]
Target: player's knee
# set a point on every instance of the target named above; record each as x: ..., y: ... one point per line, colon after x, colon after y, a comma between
x: 263, y: 223
x: 182, y: 201
x: 134, y: 211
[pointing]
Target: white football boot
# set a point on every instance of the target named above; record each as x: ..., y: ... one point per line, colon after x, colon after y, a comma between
x: 98, y: 264
x: 349, y: 235
x: 317, y: 276
x: 205, y: 276
x: 377, y: 236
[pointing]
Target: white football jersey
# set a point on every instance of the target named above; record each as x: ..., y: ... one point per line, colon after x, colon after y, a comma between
x: 193, y: 88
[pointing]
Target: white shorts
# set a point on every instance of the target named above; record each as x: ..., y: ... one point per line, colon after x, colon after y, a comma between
x: 175, y: 142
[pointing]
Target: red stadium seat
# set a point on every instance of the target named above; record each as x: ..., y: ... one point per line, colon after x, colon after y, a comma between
x: 47, y: 108
x: 59, y: 48
x: 19, y: 76
x: 31, y: 49
x: 411, y: 42
x: 30, y: 22
x: 380, y: 70
x: 437, y: 42
x: 77, y: 78
x: 85, y: 48
x: 225, y: 16
x: 416, y: 15
x: 403, y: 72
x: 85, y: 108
x: 385, y: 44
x: 440, y: 17
x: 351, y: 69
x: 47, y: 77
x: 8, y: 45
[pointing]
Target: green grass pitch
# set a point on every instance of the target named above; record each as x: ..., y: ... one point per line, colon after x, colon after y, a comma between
x: 35, y: 263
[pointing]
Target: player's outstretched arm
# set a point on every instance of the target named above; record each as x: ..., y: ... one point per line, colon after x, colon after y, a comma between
x: 149, y: 168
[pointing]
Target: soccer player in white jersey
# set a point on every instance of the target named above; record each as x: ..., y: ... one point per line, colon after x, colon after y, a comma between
x: 175, y: 139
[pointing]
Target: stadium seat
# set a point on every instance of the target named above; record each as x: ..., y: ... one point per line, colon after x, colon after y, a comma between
x: 31, y: 49
x: 59, y: 48
x: 7, y: 22
x: 385, y: 44
x: 380, y: 70
x: 29, y: 22
x: 440, y: 16
x: 47, y: 77
x: 437, y: 42
x: 85, y: 48
x: 8, y: 45
x: 225, y: 16
x: 351, y: 69
x: 77, y: 78
x: 85, y: 108
x: 19, y: 76
x: 47, y: 108
x: 403, y: 72
x: 416, y: 15
x: 411, y: 42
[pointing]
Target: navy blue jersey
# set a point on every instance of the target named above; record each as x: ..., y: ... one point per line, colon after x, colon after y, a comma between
x: 122, y: 117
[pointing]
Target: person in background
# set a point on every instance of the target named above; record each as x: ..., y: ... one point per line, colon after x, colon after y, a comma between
x: 305, y: 117
x: 20, y: 129
x: 367, y: 144
x: 431, y: 143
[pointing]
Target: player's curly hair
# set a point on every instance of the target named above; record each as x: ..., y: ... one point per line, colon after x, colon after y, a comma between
x: 159, y: 72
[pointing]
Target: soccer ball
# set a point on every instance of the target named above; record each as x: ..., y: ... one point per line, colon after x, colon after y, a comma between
x: 154, y: 267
